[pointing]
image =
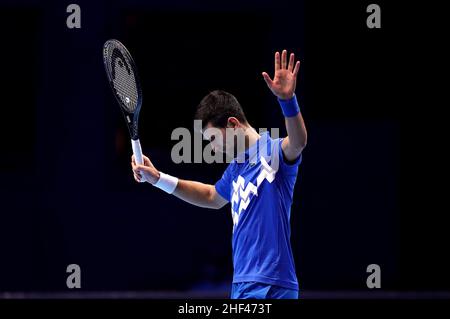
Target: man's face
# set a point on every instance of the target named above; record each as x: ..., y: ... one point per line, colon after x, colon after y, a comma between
x: 229, y: 141
x: 217, y: 138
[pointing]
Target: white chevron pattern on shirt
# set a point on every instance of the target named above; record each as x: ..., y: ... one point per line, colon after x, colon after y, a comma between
x: 242, y: 196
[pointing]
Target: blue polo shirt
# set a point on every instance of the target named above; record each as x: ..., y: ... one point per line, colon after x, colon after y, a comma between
x: 259, y: 184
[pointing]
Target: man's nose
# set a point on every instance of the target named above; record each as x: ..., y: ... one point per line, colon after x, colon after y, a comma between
x: 216, y: 148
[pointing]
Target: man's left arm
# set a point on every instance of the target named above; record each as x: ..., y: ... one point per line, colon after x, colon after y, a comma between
x: 283, y: 86
x: 295, y: 142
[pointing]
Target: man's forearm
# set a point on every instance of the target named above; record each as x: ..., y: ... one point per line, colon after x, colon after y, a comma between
x: 295, y: 126
x: 196, y: 193
x: 296, y: 130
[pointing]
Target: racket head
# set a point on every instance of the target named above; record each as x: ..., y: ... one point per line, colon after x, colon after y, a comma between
x: 124, y: 81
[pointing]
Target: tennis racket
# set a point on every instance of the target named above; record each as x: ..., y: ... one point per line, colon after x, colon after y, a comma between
x: 123, y: 78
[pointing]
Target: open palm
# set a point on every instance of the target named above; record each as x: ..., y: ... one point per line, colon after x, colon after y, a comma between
x: 285, y: 77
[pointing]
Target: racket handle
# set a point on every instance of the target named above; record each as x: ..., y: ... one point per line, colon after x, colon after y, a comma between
x: 137, y: 151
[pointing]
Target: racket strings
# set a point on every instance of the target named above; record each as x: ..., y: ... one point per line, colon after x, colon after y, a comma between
x: 123, y: 79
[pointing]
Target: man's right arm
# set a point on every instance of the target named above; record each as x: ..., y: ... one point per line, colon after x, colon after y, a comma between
x: 195, y: 193
x: 199, y: 194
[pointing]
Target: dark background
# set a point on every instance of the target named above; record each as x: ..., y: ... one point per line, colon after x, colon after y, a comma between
x: 368, y: 189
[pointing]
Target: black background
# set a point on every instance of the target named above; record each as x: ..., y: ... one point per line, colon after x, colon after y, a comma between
x: 371, y: 188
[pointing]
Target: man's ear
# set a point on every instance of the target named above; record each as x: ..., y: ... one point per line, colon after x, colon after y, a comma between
x: 233, y: 122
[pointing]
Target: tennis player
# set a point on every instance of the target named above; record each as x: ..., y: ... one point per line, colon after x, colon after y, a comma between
x: 259, y: 187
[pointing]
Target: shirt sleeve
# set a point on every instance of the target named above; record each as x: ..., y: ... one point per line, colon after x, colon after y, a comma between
x: 223, y: 185
x: 286, y: 167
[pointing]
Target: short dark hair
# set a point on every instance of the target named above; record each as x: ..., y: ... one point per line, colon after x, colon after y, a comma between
x: 217, y: 107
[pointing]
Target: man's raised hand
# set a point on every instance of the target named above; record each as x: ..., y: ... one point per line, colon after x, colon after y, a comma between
x: 285, y: 77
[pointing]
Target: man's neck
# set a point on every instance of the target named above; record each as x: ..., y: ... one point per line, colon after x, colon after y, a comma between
x: 251, y: 137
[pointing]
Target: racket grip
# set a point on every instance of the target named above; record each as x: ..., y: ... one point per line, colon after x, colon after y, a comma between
x: 137, y: 151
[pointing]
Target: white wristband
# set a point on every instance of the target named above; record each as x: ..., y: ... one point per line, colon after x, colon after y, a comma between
x: 166, y: 182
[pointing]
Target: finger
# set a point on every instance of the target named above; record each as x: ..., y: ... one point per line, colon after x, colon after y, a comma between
x: 141, y: 167
x: 137, y: 178
x: 268, y: 80
x: 137, y: 168
x: 297, y: 67
x: 277, y: 61
x: 134, y: 165
x: 133, y: 159
x: 283, y: 59
x: 291, y: 62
